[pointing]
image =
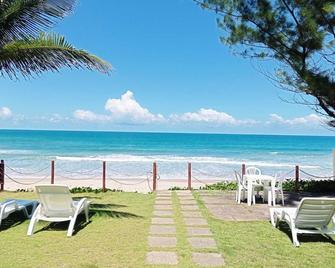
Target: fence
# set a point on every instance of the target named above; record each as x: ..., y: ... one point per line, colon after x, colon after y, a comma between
x: 149, y: 179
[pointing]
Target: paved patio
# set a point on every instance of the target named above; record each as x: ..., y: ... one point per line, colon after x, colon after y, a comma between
x: 222, y: 205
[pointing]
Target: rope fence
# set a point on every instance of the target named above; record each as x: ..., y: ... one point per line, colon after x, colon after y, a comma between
x: 151, y: 177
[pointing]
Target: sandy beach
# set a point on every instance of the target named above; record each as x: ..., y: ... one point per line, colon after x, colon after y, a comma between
x: 126, y: 185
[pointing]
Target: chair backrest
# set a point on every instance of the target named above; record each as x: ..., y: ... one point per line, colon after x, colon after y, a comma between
x: 56, y: 200
x: 239, y: 179
x: 315, y: 212
x: 253, y: 171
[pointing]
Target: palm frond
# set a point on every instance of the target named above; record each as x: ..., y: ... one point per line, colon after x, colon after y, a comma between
x: 21, y: 19
x: 47, y: 52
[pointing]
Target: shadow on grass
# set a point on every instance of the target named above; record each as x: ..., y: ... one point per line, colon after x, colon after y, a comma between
x: 14, y: 219
x: 97, y: 210
x: 306, y: 238
x: 105, y: 210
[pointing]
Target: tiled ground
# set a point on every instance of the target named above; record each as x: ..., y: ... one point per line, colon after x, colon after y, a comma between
x: 222, y: 205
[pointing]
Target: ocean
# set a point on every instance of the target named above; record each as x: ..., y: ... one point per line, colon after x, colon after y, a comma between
x: 130, y: 155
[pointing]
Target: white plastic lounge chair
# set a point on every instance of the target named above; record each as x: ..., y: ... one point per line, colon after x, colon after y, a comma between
x: 10, y: 206
x: 56, y: 205
x: 312, y: 216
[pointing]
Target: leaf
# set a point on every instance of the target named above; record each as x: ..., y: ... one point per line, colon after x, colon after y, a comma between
x: 47, y: 52
x: 27, y: 18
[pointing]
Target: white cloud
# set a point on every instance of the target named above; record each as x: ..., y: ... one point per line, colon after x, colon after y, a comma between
x: 207, y: 116
x: 123, y: 110
x: 210, y: 116
x: 311, y: 119
x: 5, y: 113
x: 127, y: 108
x: 86, y: 115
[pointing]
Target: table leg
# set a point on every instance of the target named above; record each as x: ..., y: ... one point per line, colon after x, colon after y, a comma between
x: 269, y: 196
x: 273, y: 197
x: 249, y: 193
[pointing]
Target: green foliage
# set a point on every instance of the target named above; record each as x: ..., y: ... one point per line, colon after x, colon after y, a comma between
x: 177, y: 188
x: 25, y: 49
x: 299, y: 35
x: 77, y: 190
x: 311, y: 186
x: 223, y: 186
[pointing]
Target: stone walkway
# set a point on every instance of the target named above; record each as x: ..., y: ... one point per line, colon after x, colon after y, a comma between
x: 162, y: 240
x: 199, y: 236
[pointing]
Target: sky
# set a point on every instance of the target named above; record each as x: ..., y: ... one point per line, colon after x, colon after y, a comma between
x: 170, y: 74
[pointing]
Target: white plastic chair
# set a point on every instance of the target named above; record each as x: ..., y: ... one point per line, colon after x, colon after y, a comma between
x: 56, y: 205
x: 10, y: 206
x: 274, y: 190
x: 256, y: 184
x: 253, y: 171
x: 241, y: 188
x: 312, y: 216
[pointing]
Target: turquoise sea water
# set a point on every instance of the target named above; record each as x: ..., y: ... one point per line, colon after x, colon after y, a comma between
x: 131, y: 154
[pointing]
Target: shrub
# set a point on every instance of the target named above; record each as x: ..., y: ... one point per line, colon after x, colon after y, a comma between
x: 223, y: 186
x: 312, y: 186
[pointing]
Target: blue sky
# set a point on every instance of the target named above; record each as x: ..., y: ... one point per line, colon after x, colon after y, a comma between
x: 171, y: 73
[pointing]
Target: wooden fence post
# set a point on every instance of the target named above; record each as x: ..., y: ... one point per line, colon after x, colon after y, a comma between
x: 154, y: 176
x: 189, y: 173
x: 243, y: 169
x: 52, y: 171
x: 297, y: 175
x: 104, y: 176
x: 2, y: 175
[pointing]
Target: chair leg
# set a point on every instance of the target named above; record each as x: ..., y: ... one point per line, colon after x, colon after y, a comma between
x: 282, y: 197
x: 239, y: 196
x: 71, y: 226
x: 31, y: 227
x: 295, y: 237
x: 86, y: 213
x: 253, y: 197
x: 272, y: 217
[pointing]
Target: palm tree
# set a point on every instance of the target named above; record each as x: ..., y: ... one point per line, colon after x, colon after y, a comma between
x: 27, y: 50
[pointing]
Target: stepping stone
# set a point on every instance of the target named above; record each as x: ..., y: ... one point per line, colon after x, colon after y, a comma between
x: 163, y: 213
x: 162, y: 221
x: 202, y: 242
x: 162, y: 241
x: 162, y: 257
x: 189, y: 207
x: 195, y: 222
x: 191, y: 214
x: 163, y: 202
x: 188, y: 202
x: 184, y: 193
x: 162, y: 230
x: 163, y: 207
x: 163, y: 198
x: 208, y: 259
x: 163, y: 193
x: 198, y: 231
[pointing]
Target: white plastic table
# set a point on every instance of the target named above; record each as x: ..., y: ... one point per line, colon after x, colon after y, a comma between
x: 262, y: 179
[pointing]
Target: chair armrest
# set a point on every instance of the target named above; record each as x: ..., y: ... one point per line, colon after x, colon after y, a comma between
x: 8, y: 203
x: 81, y: 204
x: 3, y: 207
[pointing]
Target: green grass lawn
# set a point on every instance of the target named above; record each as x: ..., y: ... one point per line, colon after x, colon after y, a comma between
x: 117, y: 237
x: 258, y: 244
